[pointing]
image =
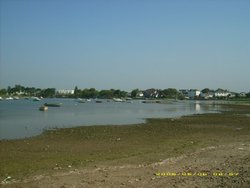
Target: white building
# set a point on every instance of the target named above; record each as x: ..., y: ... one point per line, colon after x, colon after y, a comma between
x: 184, y: 92
x: 140, y: 94
x: 208, y: 95
x: 192, y: 93
x: 221, y: 93
x: 65, y: 91
x: 20, y: 93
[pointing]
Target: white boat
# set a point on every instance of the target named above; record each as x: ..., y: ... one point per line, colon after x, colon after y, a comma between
x: 1, y: 98
x: 118, y: 100
x: 80, y: 100
x: 9, y: 98
x: 35, y: 99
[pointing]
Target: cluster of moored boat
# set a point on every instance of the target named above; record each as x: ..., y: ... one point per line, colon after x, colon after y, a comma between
x: 9, y: 98
x: 80, y: 100
x: 46, y: 106
x: 17, y: 98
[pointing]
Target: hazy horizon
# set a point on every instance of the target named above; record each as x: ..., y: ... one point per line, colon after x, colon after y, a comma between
x: 125, y: 44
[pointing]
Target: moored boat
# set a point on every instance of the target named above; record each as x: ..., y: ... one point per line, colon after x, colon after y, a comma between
x: 53, y: 104
x: 9, y: 98
x: 118, y: 100
x: 35, y: 99
x: 151, y: 101
x: 43, y: 108
x: 81, y: 101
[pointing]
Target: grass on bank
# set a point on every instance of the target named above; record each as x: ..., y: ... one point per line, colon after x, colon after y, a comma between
x: 134, y: 144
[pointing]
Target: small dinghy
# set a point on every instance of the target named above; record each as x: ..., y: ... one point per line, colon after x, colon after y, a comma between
x: 43, y: 108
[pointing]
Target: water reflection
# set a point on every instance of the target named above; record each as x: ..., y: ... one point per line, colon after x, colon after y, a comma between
x: 197, y: 107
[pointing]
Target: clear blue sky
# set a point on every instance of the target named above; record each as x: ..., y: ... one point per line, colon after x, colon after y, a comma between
x: 126, y: 44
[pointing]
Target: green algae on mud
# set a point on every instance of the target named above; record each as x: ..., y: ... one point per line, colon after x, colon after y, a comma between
x: 128, y: 144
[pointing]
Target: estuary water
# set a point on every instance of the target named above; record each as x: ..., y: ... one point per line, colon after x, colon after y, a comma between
x: 21, y: 118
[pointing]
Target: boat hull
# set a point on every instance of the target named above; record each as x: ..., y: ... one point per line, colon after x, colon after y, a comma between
x: 53, y: 104
x: 43, y: 108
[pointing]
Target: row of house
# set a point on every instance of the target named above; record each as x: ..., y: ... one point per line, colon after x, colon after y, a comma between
x: 65, y: 91
x: 191, y: 94
x: 186, y: 93
x: 149, y: 93
x: 194, y: 93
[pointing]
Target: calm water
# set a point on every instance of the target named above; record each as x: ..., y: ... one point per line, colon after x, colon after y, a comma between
x: 21, y: 118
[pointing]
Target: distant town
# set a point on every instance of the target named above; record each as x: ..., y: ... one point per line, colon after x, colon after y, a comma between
x: 19, y: 91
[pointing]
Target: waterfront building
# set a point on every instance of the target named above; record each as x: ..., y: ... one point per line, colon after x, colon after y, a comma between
x: 65, y: 91
x: 190, y: 93
x: 221, y: 93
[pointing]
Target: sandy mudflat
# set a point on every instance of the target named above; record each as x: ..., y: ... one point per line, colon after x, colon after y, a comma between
x: 211, y: 150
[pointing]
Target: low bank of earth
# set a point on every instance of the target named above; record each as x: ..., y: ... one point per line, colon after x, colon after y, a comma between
x: 209, y: 150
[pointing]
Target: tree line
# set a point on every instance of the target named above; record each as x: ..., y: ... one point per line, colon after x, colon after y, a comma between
x: 88, y: 93
x: 93, y: 93
x: 105, y: 94
x: 28, y: 91
x: 51, y: 92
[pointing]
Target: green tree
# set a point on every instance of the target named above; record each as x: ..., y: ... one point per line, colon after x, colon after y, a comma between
x: 106, y: 94
x: 89, y: 93
x: 206, y: 90
x: 31, y: 91
x: 77, y: 92
x: 123, y: 94
x: 18, y: 88
x: 117, y: 93
x: 93, y: 93
x: 8, y: 89
x: 170, y: 93
x: 134, y: 93
x: 3, y: 92
x: 49, y: 92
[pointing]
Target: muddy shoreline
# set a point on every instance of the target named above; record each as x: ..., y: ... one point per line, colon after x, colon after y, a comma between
x: 132, y: 155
